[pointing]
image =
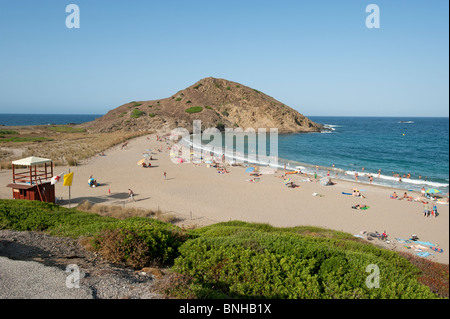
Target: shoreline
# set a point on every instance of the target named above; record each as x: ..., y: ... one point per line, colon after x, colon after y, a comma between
x: 407, y: 184
x: 210, y: 197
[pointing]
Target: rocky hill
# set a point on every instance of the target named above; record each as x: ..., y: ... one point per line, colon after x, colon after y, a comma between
x: 216, y: 102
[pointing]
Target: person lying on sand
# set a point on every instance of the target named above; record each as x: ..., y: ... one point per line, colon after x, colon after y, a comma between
x: 358, y: 206
x: 394, y: 196
x: 292, y: 185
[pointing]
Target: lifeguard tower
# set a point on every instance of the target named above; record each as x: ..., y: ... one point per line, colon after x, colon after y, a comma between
x: 32, y: 179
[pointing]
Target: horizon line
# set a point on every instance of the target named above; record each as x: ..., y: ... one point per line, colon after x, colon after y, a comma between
x: 102, y: 114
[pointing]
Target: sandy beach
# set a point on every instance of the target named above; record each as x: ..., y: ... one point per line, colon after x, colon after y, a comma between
x: 200, y: 196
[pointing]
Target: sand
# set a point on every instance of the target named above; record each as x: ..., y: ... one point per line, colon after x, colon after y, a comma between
x: 200, y: 196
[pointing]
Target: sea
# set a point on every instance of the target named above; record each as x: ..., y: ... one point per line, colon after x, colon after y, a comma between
x: 45, y: 119
x: 417, y: 147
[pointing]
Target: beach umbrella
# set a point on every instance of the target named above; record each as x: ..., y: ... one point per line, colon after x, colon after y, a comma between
x: 249, y: 169
x: 141, y: 161
x: 146, y: 155
x: 288, y: 180
x: 180, y: 160
x: 432, y: 191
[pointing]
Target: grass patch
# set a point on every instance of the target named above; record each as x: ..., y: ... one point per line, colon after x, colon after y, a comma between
x: 208, y: 107
x: 178, y: 99
x: 194, y: 109
x: 66, y: 129
x: 152, y: 115
x: 228, y: 88
x: 16, y: 139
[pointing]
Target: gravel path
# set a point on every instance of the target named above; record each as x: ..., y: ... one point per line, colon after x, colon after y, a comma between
x: 33, y: 266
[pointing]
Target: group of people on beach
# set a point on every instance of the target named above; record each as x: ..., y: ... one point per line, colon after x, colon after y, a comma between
x: 429, y: 210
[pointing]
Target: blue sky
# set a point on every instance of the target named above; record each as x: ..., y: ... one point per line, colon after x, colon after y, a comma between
x: 315, y: 56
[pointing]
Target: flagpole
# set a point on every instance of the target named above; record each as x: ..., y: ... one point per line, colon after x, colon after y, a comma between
x: 69, y: 191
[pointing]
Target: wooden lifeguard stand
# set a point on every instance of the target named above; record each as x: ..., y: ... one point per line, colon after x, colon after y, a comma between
x: 31, y: 183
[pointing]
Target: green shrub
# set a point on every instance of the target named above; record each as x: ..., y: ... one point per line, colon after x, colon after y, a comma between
x: 194, y: 109
x: 217, y: 85
x: 135, y: 241
x: 188, y: 102
x: 139, y: 242
x: 178, y: 99
x: 208, y: 107
x: 136, y: 114
x: 228, y: 88
x: 152, y: 115
x: 259, y: 261
x: 225, y: 113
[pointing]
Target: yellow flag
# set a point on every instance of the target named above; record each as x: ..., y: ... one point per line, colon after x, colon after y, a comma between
x: 68, y: 178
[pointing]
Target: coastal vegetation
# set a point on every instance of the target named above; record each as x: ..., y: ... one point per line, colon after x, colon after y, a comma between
x: 64, y: 144
x: 238, y: 259
x: 135, y: 114
x: 7, y: 132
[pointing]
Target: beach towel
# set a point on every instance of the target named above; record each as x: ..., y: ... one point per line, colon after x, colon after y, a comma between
x: 425, y: 243
x: 359, y: 236
x: 424, y: 254
x: 346, y: 193
x: 405, y: 241
x: 439, y: 250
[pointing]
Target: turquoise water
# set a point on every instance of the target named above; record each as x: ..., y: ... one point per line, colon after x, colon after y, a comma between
x: 415, y: 146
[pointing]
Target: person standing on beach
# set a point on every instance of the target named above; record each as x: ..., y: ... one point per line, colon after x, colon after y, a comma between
x: 422, y: 191
x: 356, y: 176
x: 370, y: 179
x: 379, y: 173
x: 165, y: 176
x: 131, y: 195
x: 425, y: 209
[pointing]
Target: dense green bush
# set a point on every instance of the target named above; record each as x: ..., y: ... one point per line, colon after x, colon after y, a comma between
x: 241, y: 261
x: 138, y: 241
x: 236, y: 259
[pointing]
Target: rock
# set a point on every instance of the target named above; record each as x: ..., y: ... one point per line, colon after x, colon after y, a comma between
x: 155, y: 272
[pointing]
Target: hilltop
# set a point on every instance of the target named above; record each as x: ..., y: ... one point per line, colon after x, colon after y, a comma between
x: 216, y: 102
